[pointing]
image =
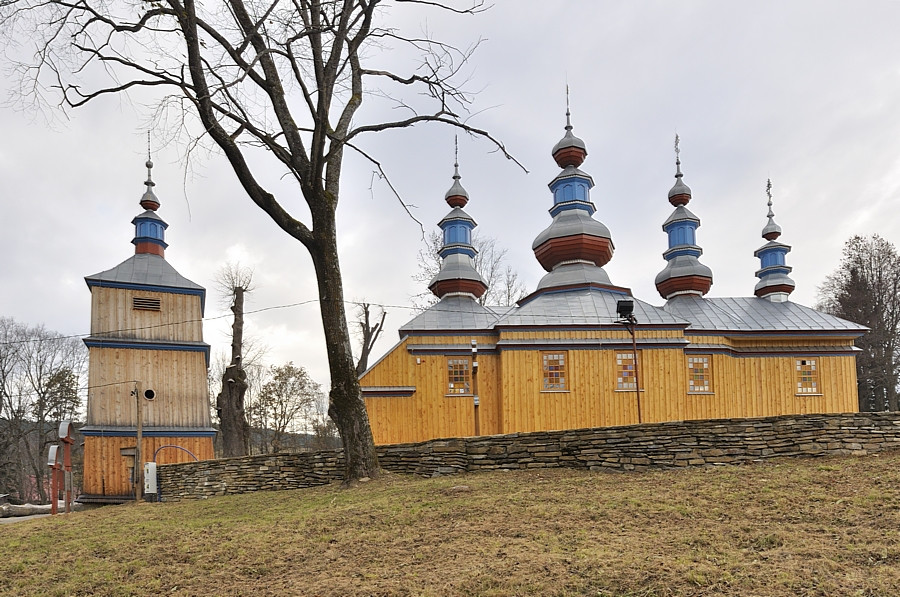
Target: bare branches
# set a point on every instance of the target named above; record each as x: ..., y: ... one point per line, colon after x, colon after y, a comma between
x: 285, y: 76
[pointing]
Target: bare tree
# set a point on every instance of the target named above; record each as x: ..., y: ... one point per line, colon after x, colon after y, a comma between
x: 865, y: 289
x: 40, y: 373
x: 287, y: 78
x: 234, y: 282
x: 503, y: 285
x: 286, y: 405
x: 368, y: 332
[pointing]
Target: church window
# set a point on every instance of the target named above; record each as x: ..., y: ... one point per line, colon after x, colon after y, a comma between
x: 625, y: 371
x: 459, y: 379
x: 699, y: 374
x: 807, y: 377
x: 554, y: 371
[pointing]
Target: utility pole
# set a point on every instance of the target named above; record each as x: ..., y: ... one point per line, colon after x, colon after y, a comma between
x: 138, y: 464
x: 475, y: 398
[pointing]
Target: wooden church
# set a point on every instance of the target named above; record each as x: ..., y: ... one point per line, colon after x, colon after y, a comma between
x: 147, y: 357
x: 580, y: 351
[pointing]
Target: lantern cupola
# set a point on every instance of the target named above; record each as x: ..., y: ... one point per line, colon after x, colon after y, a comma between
x: 149, y: 228
x: 683, y: 274
x: 575, y: 247
x: 774, y: 283
x: 457, y: 273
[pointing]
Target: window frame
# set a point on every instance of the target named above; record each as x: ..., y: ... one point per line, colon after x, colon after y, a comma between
x: 803, y: 376
x: 634, y: 358
x: 710, y: 388
x: 560, y: 374
x: 463, y: 376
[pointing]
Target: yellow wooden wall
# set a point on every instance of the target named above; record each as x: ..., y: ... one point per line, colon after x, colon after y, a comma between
x: 106, y: 470
x: 512, y: 400
x: 430, y: 412
x: 179, y: 318
x: 178, y: 378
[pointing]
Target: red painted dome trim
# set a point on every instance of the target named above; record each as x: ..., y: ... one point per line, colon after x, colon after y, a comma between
x: 569, y: 248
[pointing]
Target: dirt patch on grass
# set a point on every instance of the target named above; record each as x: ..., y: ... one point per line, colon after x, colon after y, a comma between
x: 792, y: 527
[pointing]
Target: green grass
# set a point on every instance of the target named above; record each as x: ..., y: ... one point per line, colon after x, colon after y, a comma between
x: 792, y: 527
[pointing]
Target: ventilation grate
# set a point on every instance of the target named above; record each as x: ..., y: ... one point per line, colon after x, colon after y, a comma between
x: 145, y: 304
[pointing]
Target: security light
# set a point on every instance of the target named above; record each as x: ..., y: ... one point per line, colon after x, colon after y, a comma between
x: 624, y: 308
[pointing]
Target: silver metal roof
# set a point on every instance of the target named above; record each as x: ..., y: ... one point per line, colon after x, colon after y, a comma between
x: 681, y: 214
x: 457, y: 213
x: 680, y: 188
x: 770, y: 245
x: 753, y: 314
x: 681, y: 267
x: 770, y: 280
x: 150, y: 215
x: 771, y: 228
x: 587, y: 306
x: 453, y: 312
x: 570, y: 223
x: 579, y: 272
x: 568, y: 140
x: 144, y: 269
x: 457, y: 266
x: 571, y: 172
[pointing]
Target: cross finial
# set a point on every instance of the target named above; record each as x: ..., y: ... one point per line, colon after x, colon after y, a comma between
x: 678, y: 173
x: 568, y: 113
x: 149, y: 164
x: 769, y: 195
x: 456, y: 175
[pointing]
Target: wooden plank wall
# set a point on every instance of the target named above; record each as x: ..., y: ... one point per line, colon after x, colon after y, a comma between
x: 512, y: 400
x: 430, y: 412
x: 106, y: 470
x: 178, y: 378
x: 179, y: 317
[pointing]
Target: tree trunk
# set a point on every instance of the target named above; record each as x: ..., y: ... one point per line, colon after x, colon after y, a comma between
x: 230, y: 401
x: 345, y: 406
x: 230, y: 406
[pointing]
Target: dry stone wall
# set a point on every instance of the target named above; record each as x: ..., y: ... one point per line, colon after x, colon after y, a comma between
x: 635, y: 447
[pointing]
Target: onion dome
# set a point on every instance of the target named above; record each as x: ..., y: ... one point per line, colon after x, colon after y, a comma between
x: 680, y: 194
x: 570, y: 151
x: 683, y: 274
x: 457, y: 273
x: 149, y: 228
x: 575, y: 246
x: 774, y: 283
x: 457, y: 195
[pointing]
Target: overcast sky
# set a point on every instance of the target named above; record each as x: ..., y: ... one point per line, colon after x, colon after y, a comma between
x: 804, y: 92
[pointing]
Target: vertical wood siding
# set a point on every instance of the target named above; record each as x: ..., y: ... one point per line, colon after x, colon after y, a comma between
x: 178, y: 378
x: 179, y: 318
x: 513, y: 400
x: 106, y: 470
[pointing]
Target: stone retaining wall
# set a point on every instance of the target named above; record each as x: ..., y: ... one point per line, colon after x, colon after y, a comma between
x: 635, y: 447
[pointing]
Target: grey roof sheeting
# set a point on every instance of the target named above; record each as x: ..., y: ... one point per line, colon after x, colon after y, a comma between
x: 594, y: 307
x: 589, y: 307
x: 144, y: 269
x: 753, y: 314
x: 453, y: 312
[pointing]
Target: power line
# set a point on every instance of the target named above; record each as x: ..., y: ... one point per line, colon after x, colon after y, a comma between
x: 385, y: 306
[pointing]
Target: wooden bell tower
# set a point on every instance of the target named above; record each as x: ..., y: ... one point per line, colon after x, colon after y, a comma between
x: 147, y: 357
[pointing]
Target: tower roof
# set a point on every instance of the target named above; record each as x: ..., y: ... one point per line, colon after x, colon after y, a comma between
x: 683, y: 274
x: 774, y: 283
x: 148, y: 199
x: 680, y: 193
x: 574, y: 247
x: 457, y: 274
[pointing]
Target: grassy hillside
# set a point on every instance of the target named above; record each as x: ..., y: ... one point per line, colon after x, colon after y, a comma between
x: 791, y: 527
